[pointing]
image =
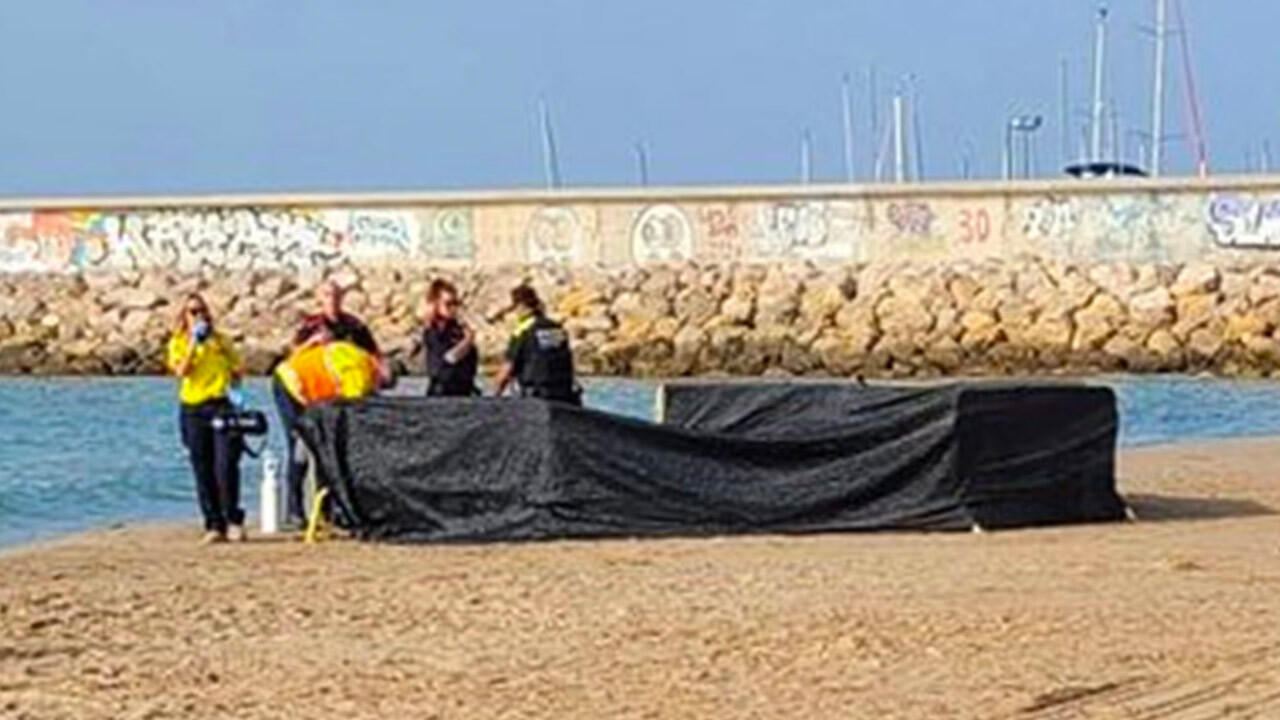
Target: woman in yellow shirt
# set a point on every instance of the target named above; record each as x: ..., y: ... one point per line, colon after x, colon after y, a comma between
x: 208, y: 367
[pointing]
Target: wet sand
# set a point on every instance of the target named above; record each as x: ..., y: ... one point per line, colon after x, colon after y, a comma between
x: 1176, y: 616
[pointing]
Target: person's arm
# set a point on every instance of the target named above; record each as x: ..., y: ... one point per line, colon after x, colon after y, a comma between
x: 510, y: 365
x: 233, y: 358
x: 504, y: 378
x: 363, y: 337
x: 309, y: 333
x: 181, y: 354
x: 433, y: 347
x: 464, y: 346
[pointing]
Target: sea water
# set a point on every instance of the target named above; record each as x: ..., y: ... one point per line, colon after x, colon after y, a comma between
x: 79, y: 454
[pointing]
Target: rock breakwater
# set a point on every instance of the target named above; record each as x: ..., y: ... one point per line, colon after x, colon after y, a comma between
x: 982, y: 317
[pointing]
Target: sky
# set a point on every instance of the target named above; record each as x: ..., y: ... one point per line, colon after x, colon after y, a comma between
x: 187, y: 96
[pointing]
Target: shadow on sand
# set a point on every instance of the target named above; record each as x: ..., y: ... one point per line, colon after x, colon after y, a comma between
x: 1160, y: 508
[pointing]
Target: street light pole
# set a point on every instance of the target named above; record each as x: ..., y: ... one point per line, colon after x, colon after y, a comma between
x: 1008, y: 150
x: 1025, y: 124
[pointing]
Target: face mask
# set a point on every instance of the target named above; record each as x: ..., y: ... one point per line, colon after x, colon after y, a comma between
x: 200, y: 331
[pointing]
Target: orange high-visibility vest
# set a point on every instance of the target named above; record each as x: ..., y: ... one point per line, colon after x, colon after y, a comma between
x: 333, y: 371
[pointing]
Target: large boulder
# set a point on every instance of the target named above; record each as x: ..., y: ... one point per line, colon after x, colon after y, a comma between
x: 1193, y: 311
x: 1204, y: 344
x: 904, y: 318
x: 1153, y: 308
x: 1115, y: 278
x: 1194, y: 279
x: 131, y: 298
x: 1266, y: 286
x: 737, y: 309
x: 20, y: 356
x: 1165, y: 348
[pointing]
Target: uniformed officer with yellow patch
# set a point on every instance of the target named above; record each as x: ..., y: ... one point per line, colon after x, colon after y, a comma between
x: 539, y: 357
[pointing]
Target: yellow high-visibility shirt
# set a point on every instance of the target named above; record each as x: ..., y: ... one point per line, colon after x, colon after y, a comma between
x: 213, y: 367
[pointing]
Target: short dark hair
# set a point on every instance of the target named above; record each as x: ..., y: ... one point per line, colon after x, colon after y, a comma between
x: 525, y: 296
x: 439, y: 287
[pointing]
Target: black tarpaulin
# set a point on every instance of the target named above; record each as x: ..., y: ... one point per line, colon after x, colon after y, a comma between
x: 1027, y: 454
x: 421, y: 470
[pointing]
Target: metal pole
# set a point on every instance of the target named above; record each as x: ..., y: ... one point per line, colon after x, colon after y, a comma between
x: 1099, y: 62
x: 1026, y: 154
x: 642, y: 164
x: 918, y: 148
x: 899, y: 140
x: 1266, y: 156
x: 846, y: 116
x: 544, y: 134
x: 1064, y: 113
x: 1117, y: 142
x: 806, y: 158
x: 550, y: 165
x: 1008, y: 150
x: 1157, y: 100
x: 882, y: 153
x: 873, y: 103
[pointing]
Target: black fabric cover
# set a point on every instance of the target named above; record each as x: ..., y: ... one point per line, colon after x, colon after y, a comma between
x: 421, y: 470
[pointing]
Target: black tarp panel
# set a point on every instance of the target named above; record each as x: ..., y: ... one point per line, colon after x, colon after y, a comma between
x: 433, y: 470
x: 414, y: 469
x: 1028, y: 454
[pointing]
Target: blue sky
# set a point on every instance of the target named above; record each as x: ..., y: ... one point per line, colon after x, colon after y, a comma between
x: 160, y: 96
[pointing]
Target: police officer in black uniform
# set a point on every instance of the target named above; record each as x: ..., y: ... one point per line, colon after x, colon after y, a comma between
x: 538, y: 357
x: 449, y: 344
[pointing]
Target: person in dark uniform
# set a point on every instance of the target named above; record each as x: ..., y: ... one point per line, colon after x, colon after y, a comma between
x: 538, y: 358
x: 449, y: 345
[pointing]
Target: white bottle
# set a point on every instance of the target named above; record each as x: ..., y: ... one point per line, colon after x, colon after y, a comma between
x: 269, y: 495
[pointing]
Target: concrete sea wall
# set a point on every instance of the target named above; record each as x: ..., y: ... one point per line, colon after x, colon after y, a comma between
x: 1061, y: 277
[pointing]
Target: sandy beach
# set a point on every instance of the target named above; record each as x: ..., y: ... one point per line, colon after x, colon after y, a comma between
x: 1176, y: 616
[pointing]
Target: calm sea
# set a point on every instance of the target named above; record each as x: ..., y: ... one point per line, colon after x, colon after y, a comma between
x: 91, y: 453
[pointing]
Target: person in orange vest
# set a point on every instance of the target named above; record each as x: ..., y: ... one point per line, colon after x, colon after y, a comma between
x: 331, y: 323
x: 323, y: 373
x: 314, y: 374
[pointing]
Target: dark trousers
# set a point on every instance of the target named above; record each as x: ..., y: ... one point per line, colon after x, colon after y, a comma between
x: 295, y: 469
x: 215, y: 460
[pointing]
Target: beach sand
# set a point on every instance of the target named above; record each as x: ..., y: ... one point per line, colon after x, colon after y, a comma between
x: 1176, y: 616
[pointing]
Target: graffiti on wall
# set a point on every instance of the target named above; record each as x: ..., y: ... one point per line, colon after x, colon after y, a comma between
x: 1050, y: 219
x: 39, y: 241
x: 232, y: 239
x: 911, y: 218
x: 449, y: 235
x: 555, y: 235
x: 382, y: 232
x: 236, y: 238
x: 720, y: 235
x: 1148, y: 227
x: 1236, y: 221
x: 805, y: 229
x: 661, y: 233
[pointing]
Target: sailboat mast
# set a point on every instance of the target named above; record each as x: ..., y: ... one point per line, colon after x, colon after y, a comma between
x: 1099, y: 76
x: 1157, y: 99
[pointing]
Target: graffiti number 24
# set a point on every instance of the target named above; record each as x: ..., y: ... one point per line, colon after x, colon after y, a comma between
x: 975, y: 226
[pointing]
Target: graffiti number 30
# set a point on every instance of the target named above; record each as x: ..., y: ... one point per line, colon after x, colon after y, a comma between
x: 975, y: 226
